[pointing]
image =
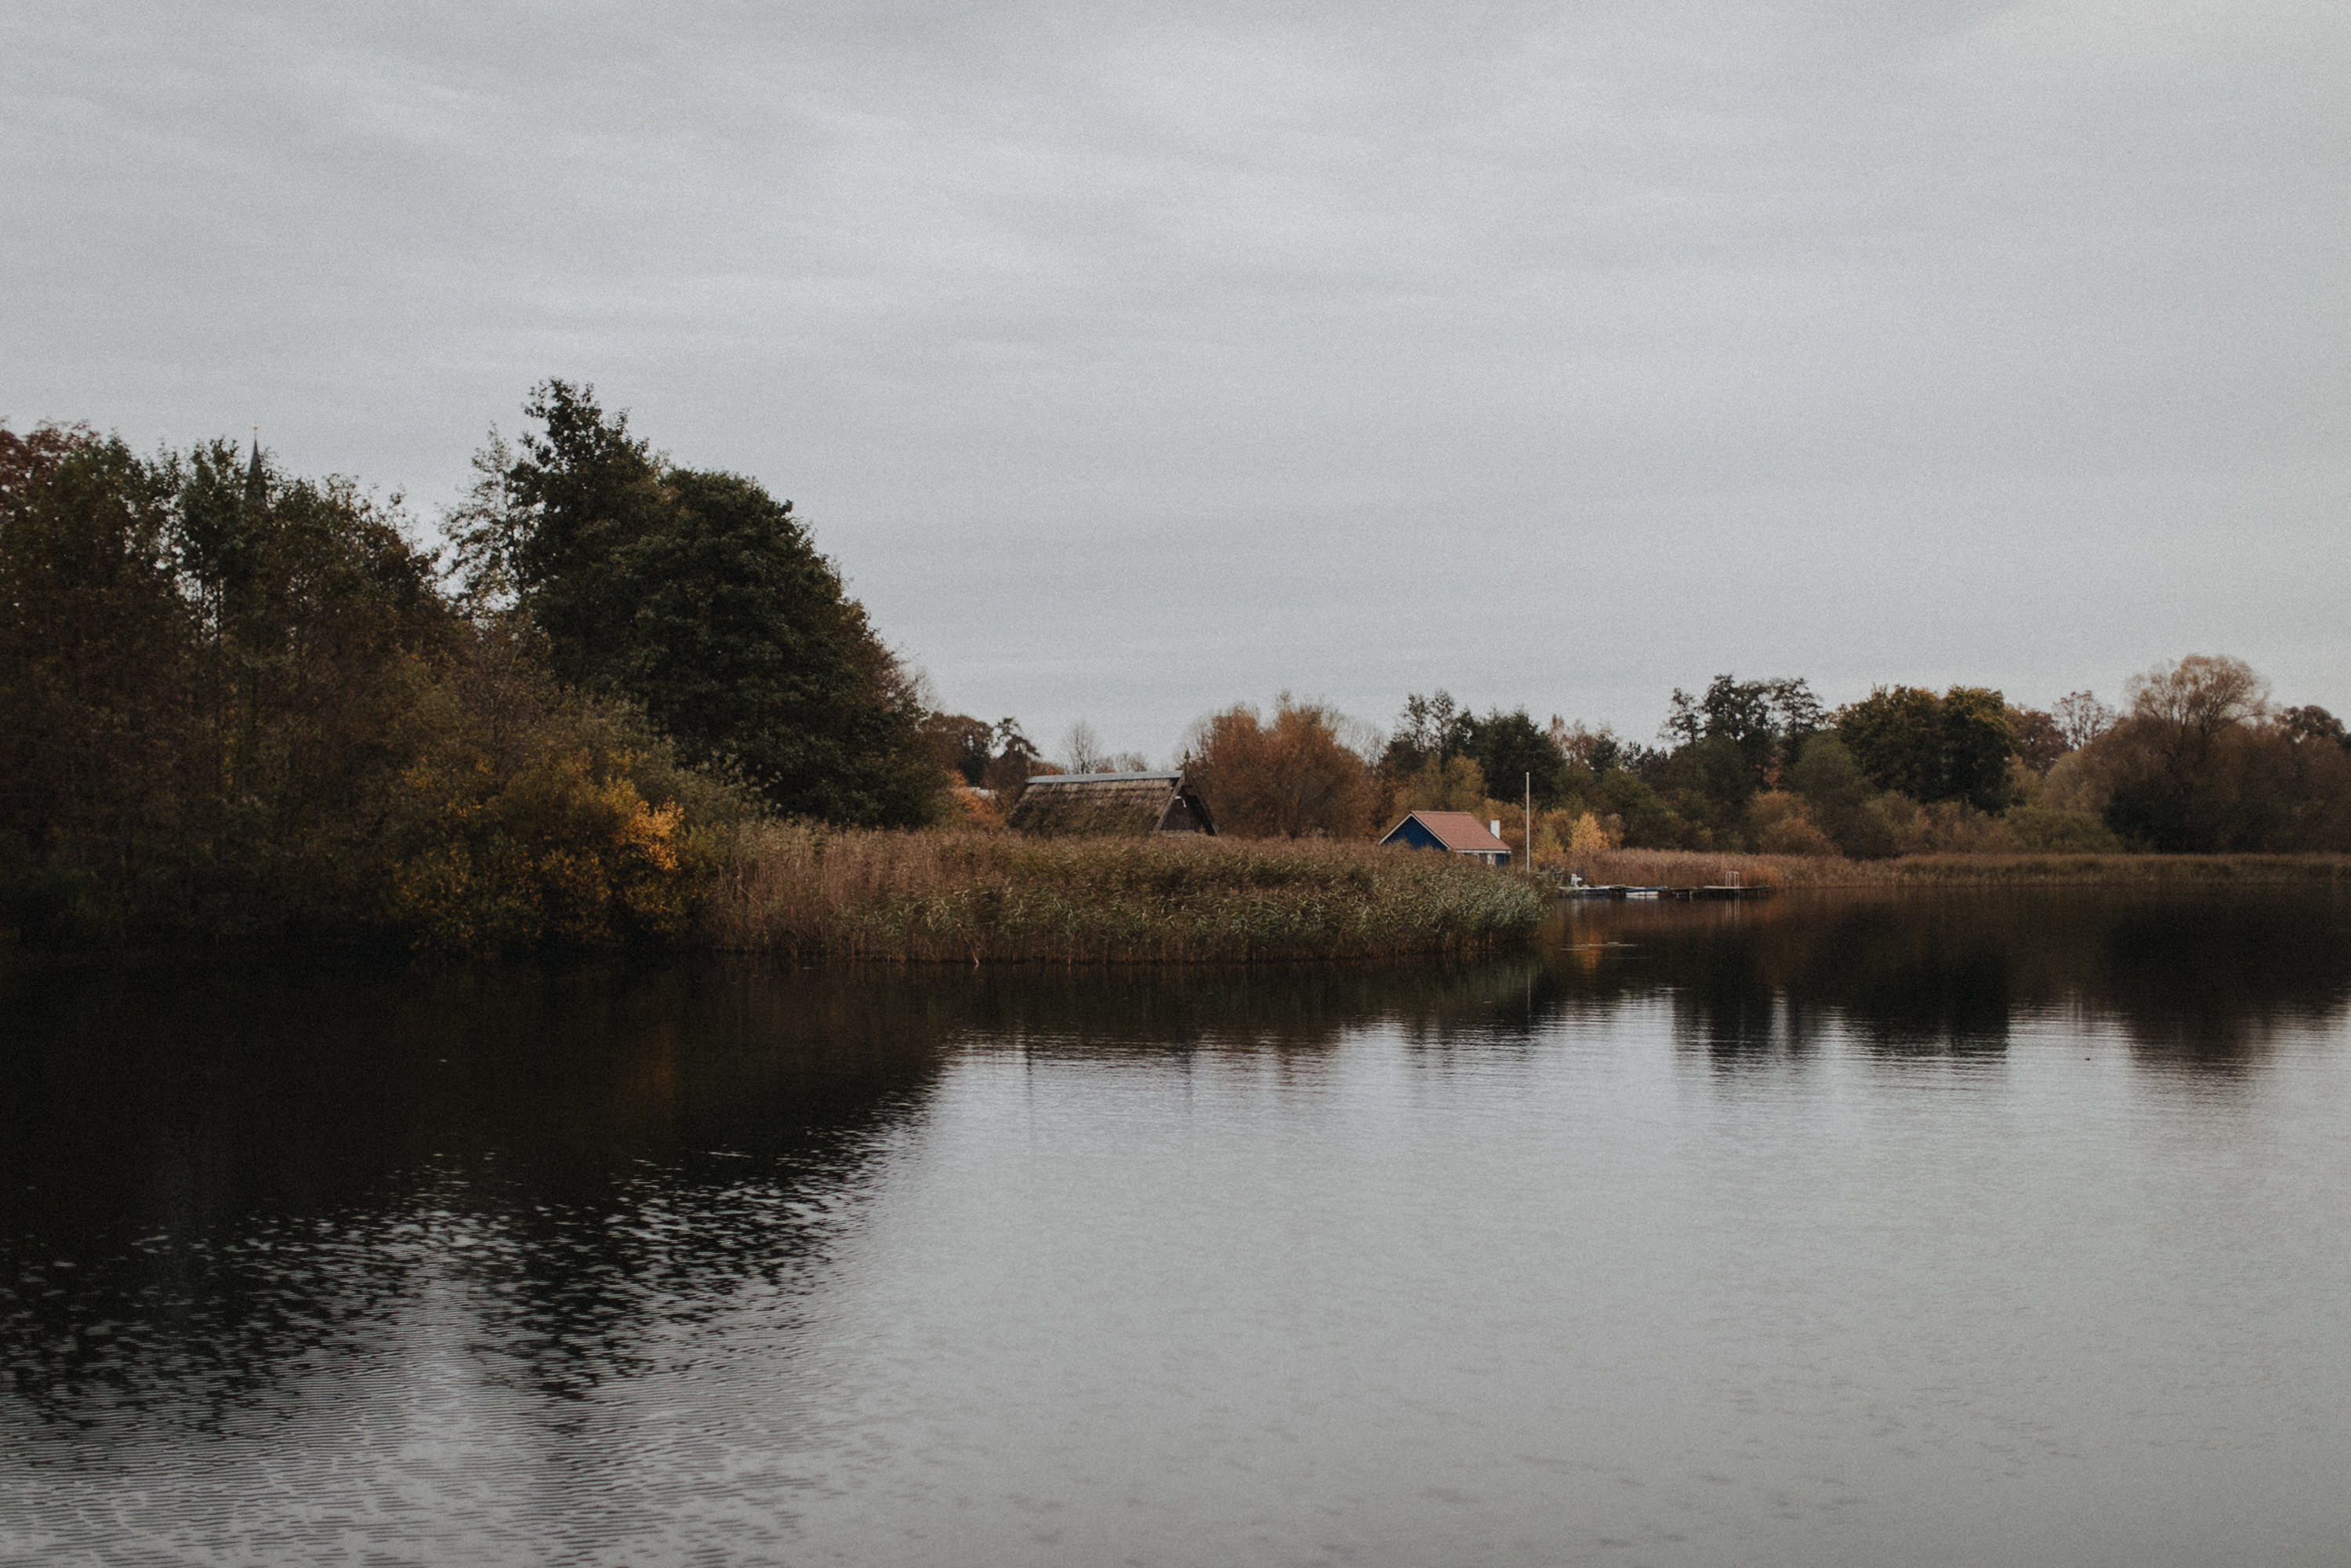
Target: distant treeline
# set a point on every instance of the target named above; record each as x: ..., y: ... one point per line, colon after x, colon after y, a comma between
x: 239, y: 705
x: 2198, y: 761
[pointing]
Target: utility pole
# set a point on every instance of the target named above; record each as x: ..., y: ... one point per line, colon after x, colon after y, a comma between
x: 1530, y: 821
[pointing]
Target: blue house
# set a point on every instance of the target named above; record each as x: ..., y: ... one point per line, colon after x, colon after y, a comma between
x: 1454, y: 832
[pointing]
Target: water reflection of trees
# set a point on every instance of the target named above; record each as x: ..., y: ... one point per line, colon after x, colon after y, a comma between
x: 1287, y: 1009
x: 219, y: 1188
x: 2210, y: 979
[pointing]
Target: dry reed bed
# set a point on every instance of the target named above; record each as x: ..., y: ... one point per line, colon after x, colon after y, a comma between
x: 1687, y: 868
x: 979, y: 897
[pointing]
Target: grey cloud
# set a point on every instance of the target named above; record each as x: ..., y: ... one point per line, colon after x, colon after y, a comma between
x: 1554, y: 354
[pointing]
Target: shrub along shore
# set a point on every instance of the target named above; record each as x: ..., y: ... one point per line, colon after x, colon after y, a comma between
x: 245, y: 710
x: 808, y: 891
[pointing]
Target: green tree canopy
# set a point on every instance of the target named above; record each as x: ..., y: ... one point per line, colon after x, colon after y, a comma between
x: 1430, y: 729
x: 1508, y: 747
x: 236, y: 705
x: 702, y: 597
x: 1978, y: 741
x: 1767, y: 721
x: 1895, y: 735
x: 1955, y: 747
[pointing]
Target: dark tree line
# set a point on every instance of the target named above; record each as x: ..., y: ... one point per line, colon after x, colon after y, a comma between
x: 1506, y: 749
x: 239, y: 705
x: 2199, y: 760
x: 2202, y: 762
x: 701, y: 597
x: 237, y: 702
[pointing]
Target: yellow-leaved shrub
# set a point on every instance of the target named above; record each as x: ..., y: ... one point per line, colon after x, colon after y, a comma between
x: 548, y: 840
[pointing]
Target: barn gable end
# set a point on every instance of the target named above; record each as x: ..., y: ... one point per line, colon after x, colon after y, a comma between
x: 1128, y: 805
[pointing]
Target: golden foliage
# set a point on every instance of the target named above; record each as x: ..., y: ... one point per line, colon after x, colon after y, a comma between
x: 562, y: 849
x: 1588, y: 839
x: 967, y: 808
x: 1779, y: 824
x: 534, y: 817
x: 1294, y: 778
x: 1459, y: 785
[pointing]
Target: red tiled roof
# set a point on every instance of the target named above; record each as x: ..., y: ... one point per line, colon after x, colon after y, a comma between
x: 1459, y: 831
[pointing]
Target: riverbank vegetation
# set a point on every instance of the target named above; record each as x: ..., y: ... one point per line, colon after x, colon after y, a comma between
x: 238, y: 707
x: 2199, y: 762
x: 805, y: 891
x: 630, y: 703
x: 632, y: 707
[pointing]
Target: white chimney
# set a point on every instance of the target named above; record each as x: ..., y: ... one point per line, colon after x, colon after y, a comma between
x: 1495, y: 827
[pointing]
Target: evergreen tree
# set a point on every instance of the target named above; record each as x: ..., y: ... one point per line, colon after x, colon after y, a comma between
x: 1508, y: 747
x: 702, y: 597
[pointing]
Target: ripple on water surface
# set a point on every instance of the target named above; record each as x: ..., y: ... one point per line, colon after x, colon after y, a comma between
x: 1963, y: 1230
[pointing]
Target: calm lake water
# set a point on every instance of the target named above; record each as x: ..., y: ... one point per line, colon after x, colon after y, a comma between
x: 1939, y: 1229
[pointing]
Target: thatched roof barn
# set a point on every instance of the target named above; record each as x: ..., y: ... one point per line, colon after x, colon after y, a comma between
x: 1128, y: 804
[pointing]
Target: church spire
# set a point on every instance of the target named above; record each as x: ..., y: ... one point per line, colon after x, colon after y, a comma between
x: 257, y: 485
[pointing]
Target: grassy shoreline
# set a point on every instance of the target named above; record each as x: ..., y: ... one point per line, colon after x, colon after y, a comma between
x: 806, y: 892
x: 1686, y: 868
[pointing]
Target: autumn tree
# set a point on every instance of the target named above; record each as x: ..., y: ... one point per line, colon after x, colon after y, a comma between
x: 2312, y: 722
x: 1293, y: 778
x: 1837, y: 798
x: 960, y: 745
x: 1435, y: 738
x: 2040, y: 738
x: 1459, y: 785
x: 2184, y: 763
x: 1594, y: 751
x: 2200, y: 763
x: 2200, y: 697
x: 1017, y: 761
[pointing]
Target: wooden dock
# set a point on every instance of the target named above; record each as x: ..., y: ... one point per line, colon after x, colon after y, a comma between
x: 1685, y: 894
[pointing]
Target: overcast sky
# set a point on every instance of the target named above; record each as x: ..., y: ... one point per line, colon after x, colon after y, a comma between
x: 1133, y: 362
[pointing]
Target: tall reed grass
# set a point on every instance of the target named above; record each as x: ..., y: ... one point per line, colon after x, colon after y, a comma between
x: 805, y: 890
x: 1689, y: 867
